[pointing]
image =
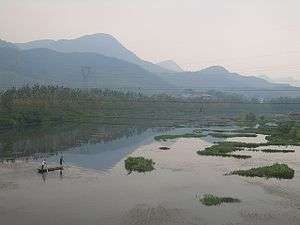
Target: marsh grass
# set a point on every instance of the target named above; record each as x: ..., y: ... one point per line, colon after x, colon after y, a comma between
x: 277, y: 151
x: 246, y: 145
x: 223, y: 135
x: 212, y: 200
x: 175, y: 136
x: 139, y: 164
x: 286, y: 133
x: 280, y: 171
x: 222, y: 149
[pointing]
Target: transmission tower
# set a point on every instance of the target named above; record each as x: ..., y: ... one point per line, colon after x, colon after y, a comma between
x: 85, y: 73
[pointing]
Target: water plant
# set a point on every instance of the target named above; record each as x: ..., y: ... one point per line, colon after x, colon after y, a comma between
x: 222, y: 149
x: 284, y: 133
x: 139, y: 164
x: 211, y: 200
x: 280, y: 171
x: 277, y: 151
x: 247, y: 145
x: 175, y: 136
x: 223, y: 135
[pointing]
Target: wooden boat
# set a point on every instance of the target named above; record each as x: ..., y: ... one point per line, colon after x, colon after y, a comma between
x: 164, y: 148
x: 49, y: 169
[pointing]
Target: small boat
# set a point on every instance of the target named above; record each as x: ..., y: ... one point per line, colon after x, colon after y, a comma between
x: 49, y: 169
x: 164, y: 148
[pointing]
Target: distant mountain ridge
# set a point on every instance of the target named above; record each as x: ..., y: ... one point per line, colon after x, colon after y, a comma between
x: 170, y: 65
x: 4, y: 44
x: 75, y: 69
x: 104, y: 44
x: 65, y: 61
x: 219, y: 78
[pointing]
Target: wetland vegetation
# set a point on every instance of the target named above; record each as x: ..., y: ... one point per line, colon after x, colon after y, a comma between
x: 228, y: 135
x: 175, y: 136
x: 222, y: 149
x: 139, y: 164
x: 277, y: 151
x: 212, y: 200
x: 280, y: 171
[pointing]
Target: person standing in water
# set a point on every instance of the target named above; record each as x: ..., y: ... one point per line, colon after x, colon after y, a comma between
x: 61, y: 160
x: 44, y: 165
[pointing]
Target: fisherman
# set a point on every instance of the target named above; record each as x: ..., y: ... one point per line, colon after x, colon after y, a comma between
x: 44, y: 165
x: 61, y: 160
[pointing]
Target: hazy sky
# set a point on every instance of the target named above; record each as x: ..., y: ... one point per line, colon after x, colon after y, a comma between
x: 260, y: 37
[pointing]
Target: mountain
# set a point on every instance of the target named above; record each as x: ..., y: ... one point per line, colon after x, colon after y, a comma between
x: 75, y: 69
x: 103, y: 44
x: 216, y: 77
x: 78, y: 63
x: 265, y: 78
x: 170, y: 65
x: 219, y: 78
x: 6, y: 44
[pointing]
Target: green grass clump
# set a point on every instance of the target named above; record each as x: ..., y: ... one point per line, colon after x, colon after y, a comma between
x: 247, y: 145
x: 210, y: 200
x: 174, y: 136
x: 280, y: 171
x: 222, y: 135
x: 285, y: 133
x: 277, y: 151
x: 139, y: 164
x: 222, y: 149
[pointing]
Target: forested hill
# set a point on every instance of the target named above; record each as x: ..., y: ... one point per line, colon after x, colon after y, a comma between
x: 46, y: 66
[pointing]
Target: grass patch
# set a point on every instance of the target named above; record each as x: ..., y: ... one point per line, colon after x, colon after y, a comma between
x: 280, y: 171
x: 222, y: 149
x: 247, y: 145
x: 211, y: 200
x: 175, y: 136
x: 222, y: 135
x: 139, y: 164
x: 286, y: 133
x: 277, y: 151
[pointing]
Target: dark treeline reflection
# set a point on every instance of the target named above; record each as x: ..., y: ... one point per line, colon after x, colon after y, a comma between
x: 40, y: 142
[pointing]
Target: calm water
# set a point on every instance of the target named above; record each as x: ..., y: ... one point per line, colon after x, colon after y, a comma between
x: 165, y: 196
x: 92, y: 147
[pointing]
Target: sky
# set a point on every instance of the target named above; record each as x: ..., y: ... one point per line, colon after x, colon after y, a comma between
x: 251, y: 37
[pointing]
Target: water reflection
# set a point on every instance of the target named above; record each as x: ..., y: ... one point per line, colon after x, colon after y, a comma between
x: 98, y: 147
x: 44, y: 175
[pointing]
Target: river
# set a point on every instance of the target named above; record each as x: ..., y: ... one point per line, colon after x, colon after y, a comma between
x: 95, y: 188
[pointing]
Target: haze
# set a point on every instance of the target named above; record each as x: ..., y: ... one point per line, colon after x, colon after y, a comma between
x: 250, y: 37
